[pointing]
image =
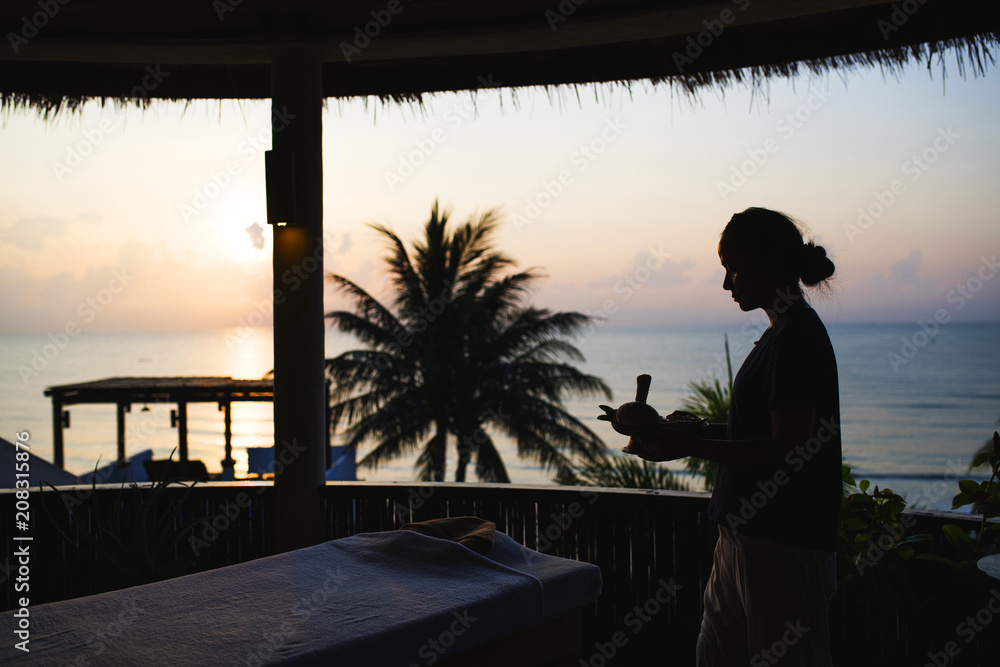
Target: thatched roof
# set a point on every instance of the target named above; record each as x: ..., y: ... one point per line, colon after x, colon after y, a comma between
x: 60, y: 55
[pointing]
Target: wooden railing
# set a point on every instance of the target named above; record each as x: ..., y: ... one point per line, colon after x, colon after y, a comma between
x: 653, y: 547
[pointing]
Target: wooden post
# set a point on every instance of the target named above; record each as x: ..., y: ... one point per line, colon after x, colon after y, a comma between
x: 328, y: 425
x: 228, y: 464
x: 122, y: 409
x: 57, y: 431
x: 299, y: 396
x: 182, y: 433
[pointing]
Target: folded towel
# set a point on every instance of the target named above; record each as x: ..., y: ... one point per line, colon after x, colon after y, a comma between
x: 469, y: 531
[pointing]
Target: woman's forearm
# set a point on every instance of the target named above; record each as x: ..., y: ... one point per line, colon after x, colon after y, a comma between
x: 669, y: 445
x: 714, y: 431
x: 737, y: 453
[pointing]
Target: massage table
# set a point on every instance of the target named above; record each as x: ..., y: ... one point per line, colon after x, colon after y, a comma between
x: 375, y: 599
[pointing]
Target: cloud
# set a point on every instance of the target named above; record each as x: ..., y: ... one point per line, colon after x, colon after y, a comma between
x: 140, y: 289
x: 32, y: 233
x: 136, y: 257
x: 906, y: 270
x: 647, y: 268
x: 903, y: 292
x: 256, y: 234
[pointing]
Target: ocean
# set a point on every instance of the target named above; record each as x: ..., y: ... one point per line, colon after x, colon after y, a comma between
x: 915, y: 403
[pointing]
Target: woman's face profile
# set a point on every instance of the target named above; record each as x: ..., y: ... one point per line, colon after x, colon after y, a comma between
x: 748, y: 278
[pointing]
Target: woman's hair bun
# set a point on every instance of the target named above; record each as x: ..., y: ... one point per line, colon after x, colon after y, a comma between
x: 814, y: 266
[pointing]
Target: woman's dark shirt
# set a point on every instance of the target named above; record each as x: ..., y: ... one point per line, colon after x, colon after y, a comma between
x: 795, y: 501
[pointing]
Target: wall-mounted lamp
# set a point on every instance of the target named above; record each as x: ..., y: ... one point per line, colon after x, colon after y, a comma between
x: 279, y: 175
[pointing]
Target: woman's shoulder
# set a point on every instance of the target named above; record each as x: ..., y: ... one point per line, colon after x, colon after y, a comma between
x: 804, y: 317
x: 803, y: 323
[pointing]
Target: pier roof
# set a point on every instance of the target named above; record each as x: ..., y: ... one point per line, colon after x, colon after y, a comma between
x: 197, y: 389
x: 124, y: 391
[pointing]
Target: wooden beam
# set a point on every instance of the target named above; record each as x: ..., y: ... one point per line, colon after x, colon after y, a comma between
x: 299, y: 391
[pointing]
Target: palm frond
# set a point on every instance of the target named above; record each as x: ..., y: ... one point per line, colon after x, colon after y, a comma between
x: 366, y: 306
x: 711, y: 401
x: 629, y: 472
x: 489, y: 466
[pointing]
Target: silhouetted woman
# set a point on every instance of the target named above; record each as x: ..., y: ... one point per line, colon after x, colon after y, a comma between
x: 778, y: 488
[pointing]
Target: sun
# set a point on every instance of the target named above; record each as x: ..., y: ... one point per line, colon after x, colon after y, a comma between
x: 244, y: 238
x: 243, y: 242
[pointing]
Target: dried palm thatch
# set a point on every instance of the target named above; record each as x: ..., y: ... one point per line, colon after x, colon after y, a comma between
x: 126, y: 54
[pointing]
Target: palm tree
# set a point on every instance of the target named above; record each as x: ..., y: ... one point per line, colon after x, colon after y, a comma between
x: 459, y: 354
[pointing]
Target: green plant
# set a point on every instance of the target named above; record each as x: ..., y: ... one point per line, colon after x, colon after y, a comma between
x: 135, y: 537
x: 985, y: 500
x: 711, y: 401
x: 890, y: 579
x: 872, y: 530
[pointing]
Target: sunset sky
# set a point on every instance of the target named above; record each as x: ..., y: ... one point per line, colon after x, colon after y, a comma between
x: 125, y: 220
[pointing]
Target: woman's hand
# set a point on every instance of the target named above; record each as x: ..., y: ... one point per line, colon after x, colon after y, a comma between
x: 665, y: 444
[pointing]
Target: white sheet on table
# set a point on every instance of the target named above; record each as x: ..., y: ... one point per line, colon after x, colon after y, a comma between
x: 392, y: 598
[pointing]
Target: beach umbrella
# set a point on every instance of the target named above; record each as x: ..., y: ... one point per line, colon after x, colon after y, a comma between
x: 60, y: 54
